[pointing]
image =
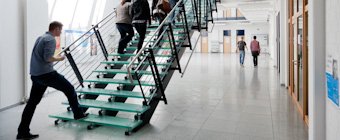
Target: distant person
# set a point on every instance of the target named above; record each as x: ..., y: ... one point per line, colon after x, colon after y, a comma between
x: 241, y: 45
x: 173, y: 4
x: 140, y: 13
x: 124, y: 26
x: 43, y: 75
x: 255, y: 50
x: 160, y: 9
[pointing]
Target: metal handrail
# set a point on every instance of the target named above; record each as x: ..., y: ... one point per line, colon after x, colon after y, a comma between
x: 94, y: 26
x: 79, y: 64
x: 129, y: 67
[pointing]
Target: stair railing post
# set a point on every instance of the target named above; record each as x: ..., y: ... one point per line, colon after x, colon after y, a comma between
x: 74, y: 67
x: 186, y: 26
x: 211, y: 10
x: 101, y: 42
x: 196, y: 14
x: 156, y: 75
x: 140, y: 86
x: 174, y: 47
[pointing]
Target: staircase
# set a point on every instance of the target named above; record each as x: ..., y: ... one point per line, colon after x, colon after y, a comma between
x: 133, y: 83
x: 204, y: 13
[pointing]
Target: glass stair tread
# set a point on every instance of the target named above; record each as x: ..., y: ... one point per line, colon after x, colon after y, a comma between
x: 177, y: 23
x: 178, y: 40
x: 152, y: 29
x: 132, y: 54
x: 181, y: 34
x: 118, y: 93
x: 113, y: 106
x: 119, y: 71
x: 128, y: 62
x: 162, y: 48
x: 119, y: 81
x: 102, y: 120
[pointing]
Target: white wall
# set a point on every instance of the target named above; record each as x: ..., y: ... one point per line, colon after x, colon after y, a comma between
x: 316, y: 67
x: 332, y: 48
x: 283, y: 4
x: 272, y: 38
x: 27, y: 21
x: 11, y: 54
x: 36, y: 24
x: 74, y: 14
x: 249, y: 28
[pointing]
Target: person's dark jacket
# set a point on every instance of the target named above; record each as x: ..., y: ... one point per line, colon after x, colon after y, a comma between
x: 140, y: 11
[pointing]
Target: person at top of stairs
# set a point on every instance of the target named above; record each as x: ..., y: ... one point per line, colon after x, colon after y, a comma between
x: 124, y: 26
x: 160, y: 9
x: 140, y: 13
x: 43, y: 75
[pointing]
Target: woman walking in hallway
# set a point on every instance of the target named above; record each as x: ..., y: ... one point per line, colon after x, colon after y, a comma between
x: 255, y: 50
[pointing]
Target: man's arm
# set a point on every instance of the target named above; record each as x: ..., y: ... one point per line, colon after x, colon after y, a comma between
x: 56, y: 58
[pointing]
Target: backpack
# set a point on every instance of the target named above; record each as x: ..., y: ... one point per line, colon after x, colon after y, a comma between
x: 164, y: 5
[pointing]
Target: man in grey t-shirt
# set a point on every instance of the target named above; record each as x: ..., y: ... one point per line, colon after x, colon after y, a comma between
x: 241, y: 45
x: 43, y: 75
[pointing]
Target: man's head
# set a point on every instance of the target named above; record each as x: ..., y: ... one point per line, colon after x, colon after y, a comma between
x: 242, y: 38
x: 254, y: 37
x: 55, y: 28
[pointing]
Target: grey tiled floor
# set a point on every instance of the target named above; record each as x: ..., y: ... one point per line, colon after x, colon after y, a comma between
x: 216, y: 100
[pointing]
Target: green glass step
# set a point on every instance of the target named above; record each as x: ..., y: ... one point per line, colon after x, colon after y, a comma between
x: 113, y: 106
x: 177, y: 23
x: 119, y: 71
x: 162, y: 48
x: 152, y: 29
x: 136, y: 41
x: 119, y: 81
x: 128, y: 62
x: 117, y: 93
x: 167, y: 35
x: 102, y: 120
x: 132, y: 54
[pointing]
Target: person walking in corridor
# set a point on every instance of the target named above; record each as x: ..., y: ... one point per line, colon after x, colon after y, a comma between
x: 241, y: 45
x: 255, y: 50
x: 43, y: 75
x: 124, y: 26
x: 140, y: 13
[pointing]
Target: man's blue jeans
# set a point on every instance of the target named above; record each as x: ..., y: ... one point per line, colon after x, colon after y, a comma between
x: 242, y: 55
x: 39, y: 86
x: 173, y: 4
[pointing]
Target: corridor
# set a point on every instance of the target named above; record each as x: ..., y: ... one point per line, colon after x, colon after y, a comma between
x: 216, y: 100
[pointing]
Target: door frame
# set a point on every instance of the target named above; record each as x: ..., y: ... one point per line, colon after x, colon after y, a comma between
x: 292, y: 20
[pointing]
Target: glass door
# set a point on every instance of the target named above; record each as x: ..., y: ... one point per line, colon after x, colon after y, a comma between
x: 300, y: 65
x: 295, y: 61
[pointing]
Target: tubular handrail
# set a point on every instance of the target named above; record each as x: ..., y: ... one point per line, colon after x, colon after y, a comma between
x: 82, y: 51
x: 94, y: 26
x: 129, y: 67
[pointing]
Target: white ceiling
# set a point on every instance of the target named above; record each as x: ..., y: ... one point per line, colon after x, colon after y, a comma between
x: 253, y: 10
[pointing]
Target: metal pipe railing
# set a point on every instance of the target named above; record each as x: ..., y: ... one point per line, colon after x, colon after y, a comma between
x: 140, y: 53
x: 67, y: 48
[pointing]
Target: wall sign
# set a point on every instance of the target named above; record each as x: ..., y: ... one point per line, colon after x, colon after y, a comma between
x: 332, y: 80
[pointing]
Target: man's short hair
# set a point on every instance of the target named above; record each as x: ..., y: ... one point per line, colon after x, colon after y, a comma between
x: 54, y: 25
x: 254, y: 37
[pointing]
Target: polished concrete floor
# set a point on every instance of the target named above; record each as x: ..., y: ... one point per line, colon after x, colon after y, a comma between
x: 216, y: 100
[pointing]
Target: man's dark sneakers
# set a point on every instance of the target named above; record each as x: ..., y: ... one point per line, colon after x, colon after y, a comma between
x: 28, y: 136
x: 83, y: 116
